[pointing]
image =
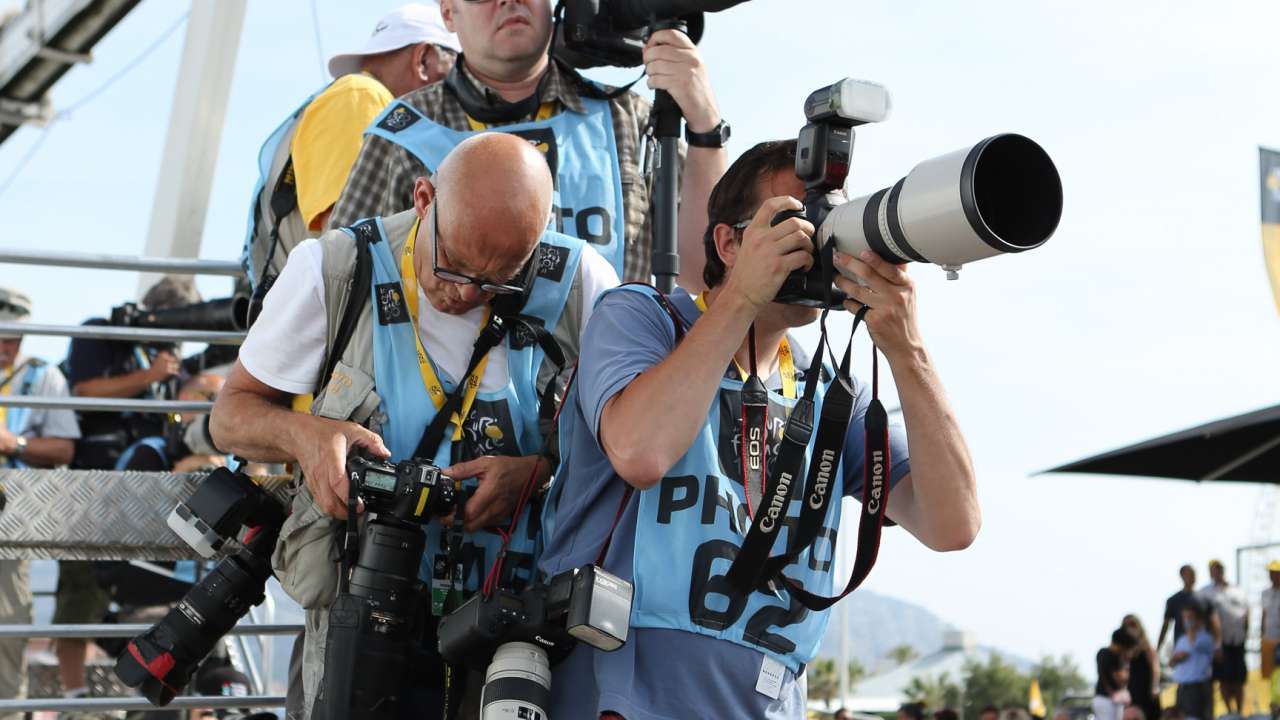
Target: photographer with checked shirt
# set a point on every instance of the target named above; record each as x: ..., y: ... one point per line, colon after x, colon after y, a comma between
x: 476, y: 234
x: 657, y: 416
x: 507, y: 80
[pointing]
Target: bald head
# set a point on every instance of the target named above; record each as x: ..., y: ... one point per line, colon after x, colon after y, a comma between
x: 492, y: 197
x: 496, y: 181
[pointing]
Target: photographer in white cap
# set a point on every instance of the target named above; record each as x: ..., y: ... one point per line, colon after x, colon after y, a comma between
x: 29, y: 437
x: 304, y: 163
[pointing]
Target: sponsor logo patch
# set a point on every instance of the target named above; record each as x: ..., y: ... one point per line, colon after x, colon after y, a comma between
x: 391, y: 307
x: 398, y: 119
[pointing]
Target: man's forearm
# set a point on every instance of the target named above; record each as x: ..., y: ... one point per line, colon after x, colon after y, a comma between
x: 48, y: 452
x: 648, y: 426
x: 120, y: 386
x: 944, y: 512
x: 253, y: 427
x: 703, y: 168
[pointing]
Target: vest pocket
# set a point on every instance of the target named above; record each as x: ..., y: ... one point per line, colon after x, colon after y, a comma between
x: 304, y: 559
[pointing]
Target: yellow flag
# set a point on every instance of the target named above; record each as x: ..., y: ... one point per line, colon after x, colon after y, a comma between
x: 1269, y: 172
x: 1035, y: 703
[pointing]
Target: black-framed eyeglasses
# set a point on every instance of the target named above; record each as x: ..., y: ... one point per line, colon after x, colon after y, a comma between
x: 461, y: 279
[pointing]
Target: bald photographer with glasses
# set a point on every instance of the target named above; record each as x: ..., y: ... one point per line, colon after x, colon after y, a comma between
x: 473, y: 248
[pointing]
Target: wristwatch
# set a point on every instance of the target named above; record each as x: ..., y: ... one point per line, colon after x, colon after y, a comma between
x: 20, y: 446
x: 716, y: 137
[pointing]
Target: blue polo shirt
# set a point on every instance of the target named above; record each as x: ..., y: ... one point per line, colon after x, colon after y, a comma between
x: 1199, y: 664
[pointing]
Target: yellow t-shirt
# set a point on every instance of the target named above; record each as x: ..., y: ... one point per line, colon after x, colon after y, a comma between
x: 328, y: 140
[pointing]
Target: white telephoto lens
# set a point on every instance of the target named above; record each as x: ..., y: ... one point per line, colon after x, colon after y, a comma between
x: 517, y: 684
x: 1001, y: 195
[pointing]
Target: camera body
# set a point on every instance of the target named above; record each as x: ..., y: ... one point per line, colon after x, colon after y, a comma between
x: 411, y: 491
x: 824, y: 154
x: 581, y: 604
x: 160, y: 661
x: 999, y: 195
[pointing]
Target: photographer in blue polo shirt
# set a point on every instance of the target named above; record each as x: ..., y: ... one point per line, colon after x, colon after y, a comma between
x: 650, y: 440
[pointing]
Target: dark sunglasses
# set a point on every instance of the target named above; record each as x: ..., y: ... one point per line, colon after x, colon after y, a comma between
x: 461, y: 279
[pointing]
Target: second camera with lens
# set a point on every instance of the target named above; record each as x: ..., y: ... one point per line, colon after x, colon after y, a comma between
x: 515, y: 638
x: 373, y: 623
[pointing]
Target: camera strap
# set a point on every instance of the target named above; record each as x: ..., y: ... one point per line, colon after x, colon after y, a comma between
x: 875, y: 499
x: 754, y: 567
x: 754, y: 434
x: 361, y: 281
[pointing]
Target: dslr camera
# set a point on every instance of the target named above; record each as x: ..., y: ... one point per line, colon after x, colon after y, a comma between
x: 515, y: 638
x: 374, y: 620
x: 999, y: 195
x: 227, y: 512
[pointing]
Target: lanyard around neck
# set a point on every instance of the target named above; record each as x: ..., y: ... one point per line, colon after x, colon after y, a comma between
x: 409, y: 286
x: 545, y: 111
x: 786, y: 361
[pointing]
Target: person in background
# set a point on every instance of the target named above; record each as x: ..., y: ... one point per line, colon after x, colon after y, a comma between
x: 1174, y: 605
x: 990, y: 712
x: 1172, y: 713
x: 843, y: 714
x: 184, y: 448
x: 1144, y: 669
x: 111, y: 369
x: 591, y: 137
x: 1230, y: 627
x: 1192, y: 663
x: 1111, y: 694
x: 943, y: 714
x: 29, y: 437
x: 308, y: 157
x: 1270, y: 625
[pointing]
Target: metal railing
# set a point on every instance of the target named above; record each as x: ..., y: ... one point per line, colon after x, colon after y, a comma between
x: 130, y: 334
x: 137, y: 703
x: 106, y: 404
x: 100, y: 261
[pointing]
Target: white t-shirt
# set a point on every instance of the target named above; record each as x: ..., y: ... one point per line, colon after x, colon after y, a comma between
x: 286, y: 347
x: 1232, y: 608
x: 1271, y: 606
x: 45, y: 422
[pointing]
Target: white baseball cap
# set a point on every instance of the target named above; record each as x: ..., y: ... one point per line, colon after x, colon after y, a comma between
x: 406, y: 25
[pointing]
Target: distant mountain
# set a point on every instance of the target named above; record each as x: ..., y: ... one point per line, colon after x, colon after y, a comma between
x: 879, y: 623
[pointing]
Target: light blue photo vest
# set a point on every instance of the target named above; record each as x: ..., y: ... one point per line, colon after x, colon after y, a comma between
x: 500, y: 423
x: 580, y: 148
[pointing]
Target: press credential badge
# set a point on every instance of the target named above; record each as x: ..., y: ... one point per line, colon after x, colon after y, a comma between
x: 770, y: 681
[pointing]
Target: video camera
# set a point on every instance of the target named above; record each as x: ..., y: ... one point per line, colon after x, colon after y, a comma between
x: 592, y: 33
x: 1000, y: 195
x: 512, y: 635
x: 372, y: 623
x: 160, y: 661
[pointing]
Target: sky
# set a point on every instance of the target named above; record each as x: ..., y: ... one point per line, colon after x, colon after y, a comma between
x: 1149, y: 310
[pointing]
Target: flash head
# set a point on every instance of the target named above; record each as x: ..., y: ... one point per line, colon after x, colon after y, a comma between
x: 856, y: 102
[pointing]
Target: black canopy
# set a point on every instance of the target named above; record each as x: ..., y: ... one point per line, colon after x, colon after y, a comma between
x: 1245, y: 448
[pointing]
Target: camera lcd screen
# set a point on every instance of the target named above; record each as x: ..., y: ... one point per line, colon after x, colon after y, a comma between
x: 380, y: 481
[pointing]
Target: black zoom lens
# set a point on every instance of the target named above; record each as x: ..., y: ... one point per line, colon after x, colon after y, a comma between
x: 370, y: 626
x: 160, y: 661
